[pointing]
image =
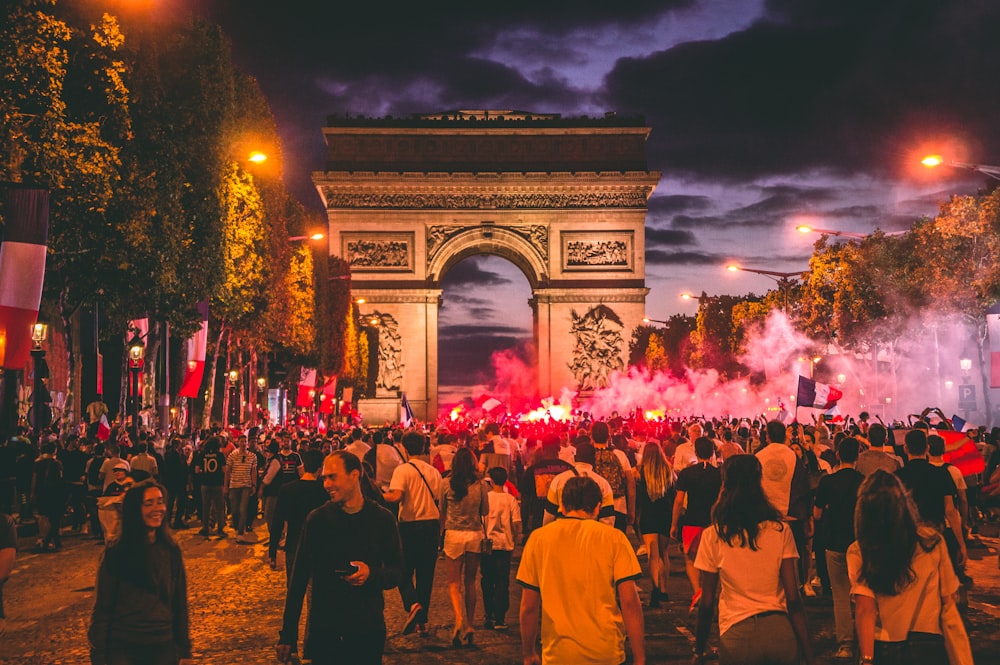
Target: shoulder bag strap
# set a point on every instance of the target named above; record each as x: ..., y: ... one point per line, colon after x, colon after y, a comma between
x: 417, y: 469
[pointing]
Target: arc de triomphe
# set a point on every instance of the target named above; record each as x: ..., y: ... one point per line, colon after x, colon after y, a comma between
x: 562, y: 199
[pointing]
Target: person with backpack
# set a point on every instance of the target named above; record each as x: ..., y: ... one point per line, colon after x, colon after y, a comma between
x: 613, y: 465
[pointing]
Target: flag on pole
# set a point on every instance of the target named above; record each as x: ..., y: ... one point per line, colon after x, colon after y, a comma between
x: 487, y: 402
x: 816, y: 395
x: 307, y: 383
x: 406, y: 417
x: 22, y: 271
x: 958, y: 423
x: 993, y: 328
x: 962, y: 451
x: 328, y: 396
x: 196, y: 347
x: 103, y: 428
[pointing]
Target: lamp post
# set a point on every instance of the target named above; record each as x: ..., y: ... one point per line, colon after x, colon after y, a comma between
x: 41, y: 414
x: 933, y: 161
x: 782, y: 279
x: 843, y: 234
x: 136, y: 360
x: 261, y: 392
x: 233, y: 412
x: 646, y: 319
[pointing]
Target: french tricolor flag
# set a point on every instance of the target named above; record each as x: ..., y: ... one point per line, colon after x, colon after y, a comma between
x: 22, y: 271
x: 816, y: 395
x: 196, y: 347
x: 993, y: 327
x: 307, y: 385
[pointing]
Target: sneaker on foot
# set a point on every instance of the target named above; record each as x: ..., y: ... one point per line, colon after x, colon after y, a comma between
x: 488, y: 624
x: 500, y: 626
x: 411, y: 619
x: 845, y: 652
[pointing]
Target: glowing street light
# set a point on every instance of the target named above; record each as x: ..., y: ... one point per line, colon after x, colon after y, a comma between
x: 314, y: 236
x: 933, y: 161
x: 257, y: 157
x: 646, y: 319
x: 828, y: 232
x: 783, y: 279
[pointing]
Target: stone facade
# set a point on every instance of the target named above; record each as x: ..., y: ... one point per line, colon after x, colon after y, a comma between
x: 563, y: 200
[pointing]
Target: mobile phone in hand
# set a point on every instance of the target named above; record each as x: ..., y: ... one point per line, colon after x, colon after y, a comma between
x: 346, y: 572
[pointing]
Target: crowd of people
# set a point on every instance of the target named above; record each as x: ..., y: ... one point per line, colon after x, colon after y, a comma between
x: 764, y: 514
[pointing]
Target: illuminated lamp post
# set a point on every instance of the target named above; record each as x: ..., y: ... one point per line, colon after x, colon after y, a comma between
x: 782, y: 279
x: 41, y: 414
x: 136, y: 360
x: 933, y: 161
x: 314, y: 236
x: 261, y: 392
x: 646, y: 319
x: 233, y: 414
x: 843, y: 234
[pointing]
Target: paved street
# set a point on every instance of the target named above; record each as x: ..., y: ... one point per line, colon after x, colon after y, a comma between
x: 236, y: 603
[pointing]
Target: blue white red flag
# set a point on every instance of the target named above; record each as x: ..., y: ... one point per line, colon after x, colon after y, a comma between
x: 406, y: 417
x: 816, y: 395
x: 22, y: 271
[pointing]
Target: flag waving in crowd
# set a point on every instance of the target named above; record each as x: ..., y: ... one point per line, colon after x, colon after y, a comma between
x: 816, y: 395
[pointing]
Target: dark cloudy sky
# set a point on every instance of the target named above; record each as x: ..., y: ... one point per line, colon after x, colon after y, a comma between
x: 764, y: 113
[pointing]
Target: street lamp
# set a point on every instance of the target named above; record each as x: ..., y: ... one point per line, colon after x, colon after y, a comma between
x: 136, y: 359
x: 257, y: 157
x: 932, y: 161
x: 261, y: 389
x: 782, y: 279
x: 234, y: 397
x: 314, y: 236
x: 41, y: 414
x: 646, y: 319
x: 845, y: 234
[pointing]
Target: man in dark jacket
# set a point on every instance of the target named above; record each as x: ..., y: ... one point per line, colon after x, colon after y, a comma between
x: 295, y: 501
x: 350, y: 551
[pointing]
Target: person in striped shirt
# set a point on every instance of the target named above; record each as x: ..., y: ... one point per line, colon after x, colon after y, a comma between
x: 241, y: 482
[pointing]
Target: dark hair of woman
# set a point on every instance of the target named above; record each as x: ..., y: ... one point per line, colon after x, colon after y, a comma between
x: 742, y: 504
x: 463, y: 472
x: 129, y: 557
x: 886, y: 525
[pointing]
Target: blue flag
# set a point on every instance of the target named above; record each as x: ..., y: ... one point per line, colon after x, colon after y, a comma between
x: 406, y: 417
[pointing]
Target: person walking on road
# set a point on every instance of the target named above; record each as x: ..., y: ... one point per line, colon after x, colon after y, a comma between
x: 140, y: 614
x: 416, y: 487
x: 350, y: 552
x: 210, y: 467
x: 241, y: 481
x: 294, y: 503
x: 464, y: 504
x: 579, y: 583
x: 749, y: 551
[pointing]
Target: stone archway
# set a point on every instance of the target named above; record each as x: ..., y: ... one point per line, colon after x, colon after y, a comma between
x: 563, y: 200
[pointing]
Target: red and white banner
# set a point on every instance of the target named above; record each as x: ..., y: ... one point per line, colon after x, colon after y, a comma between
x: 993, y: 327
x: 307, y: 385
x: 103, y: 428
x: 196, y: 348
x: 487, y: 402
x: 328, y: 396
x: 22, y: 271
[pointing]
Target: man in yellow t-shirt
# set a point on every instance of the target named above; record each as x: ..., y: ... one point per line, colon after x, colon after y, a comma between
x: 576, y: 572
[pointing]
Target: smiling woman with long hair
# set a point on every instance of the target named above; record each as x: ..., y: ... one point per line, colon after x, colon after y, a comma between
x: 141, y: 614
x: 751, y: 553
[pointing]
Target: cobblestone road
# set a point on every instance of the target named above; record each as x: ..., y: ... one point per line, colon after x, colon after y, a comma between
x: 236, y: 604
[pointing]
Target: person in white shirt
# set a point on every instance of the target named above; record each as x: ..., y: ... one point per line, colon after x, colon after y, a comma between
x: 503, y: 527
x: 416, y: 486
x: 584, y: 466
x: 684, y: 454
x: 749, y: 551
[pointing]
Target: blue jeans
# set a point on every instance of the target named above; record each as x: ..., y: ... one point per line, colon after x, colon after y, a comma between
x: 239, y: 504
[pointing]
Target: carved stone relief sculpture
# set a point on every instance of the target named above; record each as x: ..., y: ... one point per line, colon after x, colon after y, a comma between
x: 598, y: 348
x: 373, y: 253
x: 390, y: 352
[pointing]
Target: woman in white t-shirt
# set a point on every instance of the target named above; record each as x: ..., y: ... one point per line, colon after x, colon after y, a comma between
x: 750, y: 551
x: 901, y: 577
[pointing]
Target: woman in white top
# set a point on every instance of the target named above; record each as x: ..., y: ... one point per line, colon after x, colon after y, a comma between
x: 901, y: 577
x: 751, y: 552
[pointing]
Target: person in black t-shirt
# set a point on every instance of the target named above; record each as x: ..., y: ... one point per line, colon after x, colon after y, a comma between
x: 350, y: 551
x: 935, y: 494
x: 836, y: 497
x: 699, y: 485
x: 294, y: 502
x: 535, y: 481
x: 212, y: 469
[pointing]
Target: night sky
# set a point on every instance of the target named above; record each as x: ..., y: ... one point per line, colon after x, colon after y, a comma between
x: 764, y: 115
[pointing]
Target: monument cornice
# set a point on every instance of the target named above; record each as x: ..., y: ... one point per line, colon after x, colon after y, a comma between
x: 587, y: 296
x: 479, y: 191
